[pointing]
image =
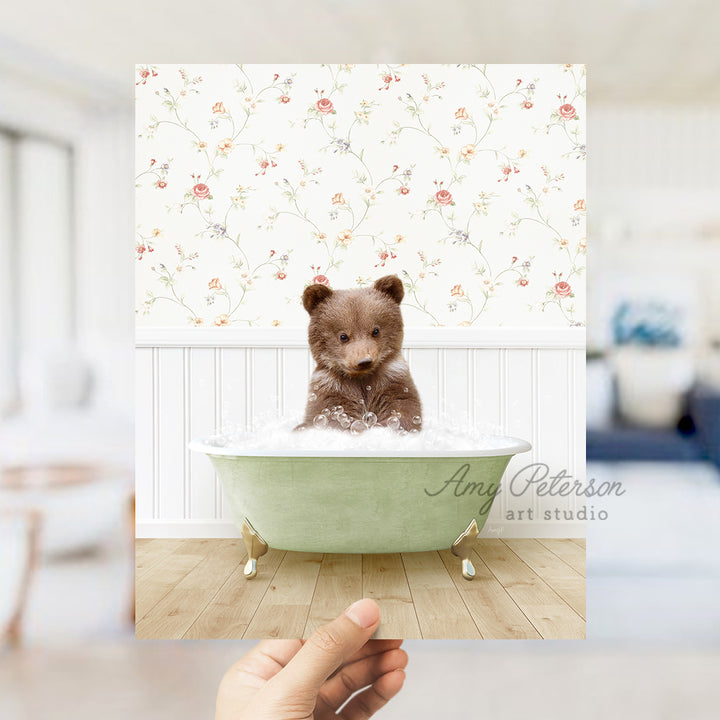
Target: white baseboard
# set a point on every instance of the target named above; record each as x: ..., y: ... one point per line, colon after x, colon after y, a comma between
x: 535, y: 529
x: 188, y: 529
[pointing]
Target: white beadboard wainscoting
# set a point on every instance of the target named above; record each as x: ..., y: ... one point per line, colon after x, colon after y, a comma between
x: 529, y: 382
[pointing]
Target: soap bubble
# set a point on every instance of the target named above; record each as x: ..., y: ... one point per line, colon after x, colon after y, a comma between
x: 320, y: 421
x: 312, y: 396
x: 336, y: 411
x: 417, y: 420
x: 370, y: 419
x: 344, y: 421
x: 368, y: 388
x: 267, y: 432
x: 436, y: 436
x: 396, y: 413
x: 406, y: 390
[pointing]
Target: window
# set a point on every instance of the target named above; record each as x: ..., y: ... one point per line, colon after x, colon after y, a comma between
x: 37, y: 279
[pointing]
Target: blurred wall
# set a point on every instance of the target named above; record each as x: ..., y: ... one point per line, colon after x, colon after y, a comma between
x: 653, y: 183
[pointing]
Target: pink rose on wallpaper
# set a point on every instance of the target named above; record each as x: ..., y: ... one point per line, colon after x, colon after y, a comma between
x: 522, y: 282
x: 201, y: 191
x: 218, y: 107
x: 567, y: 111
x: 562, y: 289
x: 338, y: 199
x: 324, y: 106
x: 280, y: 275
x: 221, y: 320
x: 284, y: 99
x: 443, y: 197
x: 457, y: 291
x: 321, y: 280
x: 215, y: 284
x: 144, y: 74
x: 580, y: 206
x: 461, y: 114
x: 161, y: 184
x: 527, y: 105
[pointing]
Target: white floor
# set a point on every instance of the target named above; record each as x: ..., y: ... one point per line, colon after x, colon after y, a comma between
x: 653, y: 616
x: 501, y: 679
x: 654, y: 564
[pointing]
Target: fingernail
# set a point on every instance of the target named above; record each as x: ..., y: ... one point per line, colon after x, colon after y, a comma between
x: 364, y: 613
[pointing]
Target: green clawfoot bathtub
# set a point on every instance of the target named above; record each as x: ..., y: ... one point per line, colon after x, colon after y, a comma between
x: 356, y: 501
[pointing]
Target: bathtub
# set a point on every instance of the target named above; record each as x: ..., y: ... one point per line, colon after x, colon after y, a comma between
x: 341, y: 501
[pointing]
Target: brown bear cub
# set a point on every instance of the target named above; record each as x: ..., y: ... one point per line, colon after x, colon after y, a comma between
x: 361, y: 379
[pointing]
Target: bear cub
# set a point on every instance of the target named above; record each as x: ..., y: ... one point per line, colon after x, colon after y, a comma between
x: 361, y: 378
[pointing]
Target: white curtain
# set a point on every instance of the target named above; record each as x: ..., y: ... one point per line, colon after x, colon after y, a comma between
x: 7, y: 332
x: 37, y: 278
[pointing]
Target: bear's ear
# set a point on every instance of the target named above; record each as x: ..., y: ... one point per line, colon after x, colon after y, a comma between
x: 314, y: 295
x: 391, y: 285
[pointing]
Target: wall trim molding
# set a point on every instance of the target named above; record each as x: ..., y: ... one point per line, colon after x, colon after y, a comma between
x: 190, y: 529
x: 480, y: 337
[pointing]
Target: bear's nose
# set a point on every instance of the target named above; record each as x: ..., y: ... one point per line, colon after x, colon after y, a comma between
x: 365, y: 363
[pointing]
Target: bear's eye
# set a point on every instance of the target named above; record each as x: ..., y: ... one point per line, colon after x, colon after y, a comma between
x: 343, y: 337
x: 376, y: 332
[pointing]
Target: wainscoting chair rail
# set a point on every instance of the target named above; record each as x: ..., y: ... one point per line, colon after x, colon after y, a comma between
x: 445, y: 337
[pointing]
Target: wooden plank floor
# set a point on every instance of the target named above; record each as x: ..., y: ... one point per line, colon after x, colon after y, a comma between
x: 523, y: 589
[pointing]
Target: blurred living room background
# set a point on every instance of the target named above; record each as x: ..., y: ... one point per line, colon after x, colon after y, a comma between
x: 66, y: 339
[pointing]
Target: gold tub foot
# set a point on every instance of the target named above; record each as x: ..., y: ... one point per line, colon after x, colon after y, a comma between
x: 463, y: 548
x: 256, y: 547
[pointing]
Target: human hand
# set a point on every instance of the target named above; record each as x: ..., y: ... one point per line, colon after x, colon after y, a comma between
x: 311, y: 680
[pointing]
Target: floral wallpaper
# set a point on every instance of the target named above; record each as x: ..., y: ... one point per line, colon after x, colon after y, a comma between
x: 467, y: 181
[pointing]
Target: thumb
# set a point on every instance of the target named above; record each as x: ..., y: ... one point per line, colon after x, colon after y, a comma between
x: 328, y: 648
